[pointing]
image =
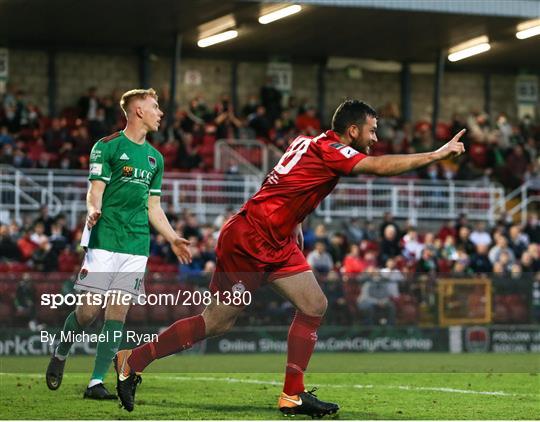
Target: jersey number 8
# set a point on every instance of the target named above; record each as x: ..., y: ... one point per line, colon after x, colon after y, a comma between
x: 293, y: 155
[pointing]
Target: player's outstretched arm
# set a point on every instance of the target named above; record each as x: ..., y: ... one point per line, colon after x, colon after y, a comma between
x: 94, y: 199
x: 392, y: 165
x: 159, y: 221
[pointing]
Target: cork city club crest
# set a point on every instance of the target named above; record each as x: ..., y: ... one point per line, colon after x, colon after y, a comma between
x: 127, y: 171
x: 83, y: 274
x: 152, y: 162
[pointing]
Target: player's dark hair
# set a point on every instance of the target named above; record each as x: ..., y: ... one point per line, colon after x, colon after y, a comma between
x: 351, y: 112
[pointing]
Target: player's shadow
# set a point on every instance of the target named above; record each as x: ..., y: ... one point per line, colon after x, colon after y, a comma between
x: 210, y: 407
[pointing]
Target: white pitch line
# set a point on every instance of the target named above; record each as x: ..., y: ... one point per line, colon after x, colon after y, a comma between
x: 359, y: 386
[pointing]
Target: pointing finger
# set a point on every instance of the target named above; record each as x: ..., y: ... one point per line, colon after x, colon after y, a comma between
x: 459, y: 134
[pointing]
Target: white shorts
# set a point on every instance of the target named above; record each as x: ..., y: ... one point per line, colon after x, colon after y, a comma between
x: 103, y: 271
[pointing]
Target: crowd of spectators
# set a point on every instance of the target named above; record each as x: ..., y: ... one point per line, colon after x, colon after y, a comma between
x: 497, y: 148
x: 382, y: 273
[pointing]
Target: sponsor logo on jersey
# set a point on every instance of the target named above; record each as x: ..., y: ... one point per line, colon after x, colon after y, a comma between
x: 152, y: 161
x: 95, y: 169
x: 337, y: 145
x: 348, y: 152
x: 95, y: 154
x: 83, y: 274
x: 127, y: 171
x: 124, y: 157
x: 239, y: 287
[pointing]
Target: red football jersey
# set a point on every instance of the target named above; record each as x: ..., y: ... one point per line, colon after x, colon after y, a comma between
x: 306, y: 173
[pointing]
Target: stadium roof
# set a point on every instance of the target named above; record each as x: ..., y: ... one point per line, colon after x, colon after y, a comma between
x: 384, y: 29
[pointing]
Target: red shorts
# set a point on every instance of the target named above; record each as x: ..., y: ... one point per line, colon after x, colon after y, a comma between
x: 245, y: 261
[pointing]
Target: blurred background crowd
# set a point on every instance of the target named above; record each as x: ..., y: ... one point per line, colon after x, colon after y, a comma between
x: 372, y: 273
x: 497, y: 149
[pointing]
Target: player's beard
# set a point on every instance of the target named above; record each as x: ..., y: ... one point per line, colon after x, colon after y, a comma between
x: 359, y: 146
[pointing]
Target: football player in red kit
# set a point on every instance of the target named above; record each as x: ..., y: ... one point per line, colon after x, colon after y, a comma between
x: 263, y: 242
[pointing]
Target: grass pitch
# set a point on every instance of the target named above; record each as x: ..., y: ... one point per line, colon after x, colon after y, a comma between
x: 367, y: 386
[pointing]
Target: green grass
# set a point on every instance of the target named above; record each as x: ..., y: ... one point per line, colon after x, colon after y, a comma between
x: 367, y: 386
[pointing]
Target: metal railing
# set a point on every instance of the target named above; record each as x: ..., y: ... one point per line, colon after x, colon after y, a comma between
x: 210, y: 195
x: 246, y: 156
x: 229, y: 158
x: 526, y: 194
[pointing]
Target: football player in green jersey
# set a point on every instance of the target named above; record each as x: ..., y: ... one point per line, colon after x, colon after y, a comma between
x: 123, y: 197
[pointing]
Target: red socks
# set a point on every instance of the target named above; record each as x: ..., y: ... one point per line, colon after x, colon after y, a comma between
x: 300, y: 344
x: 181, y: 335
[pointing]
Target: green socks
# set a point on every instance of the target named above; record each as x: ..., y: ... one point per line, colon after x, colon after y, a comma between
x: 71, y: 324
x: 111, y: 334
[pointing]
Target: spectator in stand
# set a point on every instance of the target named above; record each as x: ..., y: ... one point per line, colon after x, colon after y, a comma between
x: 198, y: 110
x: 338, y: 248
x: 461, y: 221
x: 8, y: 246
x: 208, y: 250
x: 448, y: 249
x: 480, y: 236
x: 25, y: 308
x: 193, y: 272
x: 479, y: 261
x: 353, y: 230
x: 26, y: 246
x: 517, y: 163
x: 57, y: 238
x: 534, y: 251
x: 308, y: 123
x: 159, y: 247
x: 392, y: 273
x: 38, y: 234
x: 260, y: 123
x: 20, y: 159
x: 271, y: 99
x: 500, y: 248
x: 226, y: 121
x: 506, y: 260
x: 251, y: 106
x: 412, y: 248
x: 353, y: 264
x: 97, y: 128
x: 427, y: 262
x: 390, y: 244
x: 376, y: 295
x: 192, y: 228
x: 45, y: 258
x: 320, y: 260
x: 464, y: 241
x: 88, y: 105
x: 459, y: 270
x: 7, y: 154
x: 321, y: 235
x: 5, y: 136
x: 45, y: 219
x: 518, y: 241
x: 56, y: 135
x: 526, y: 262
x: 388, y: 219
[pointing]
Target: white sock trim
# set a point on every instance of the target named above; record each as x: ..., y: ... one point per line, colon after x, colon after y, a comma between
x: 93, y: 382
x: 59, y: 356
